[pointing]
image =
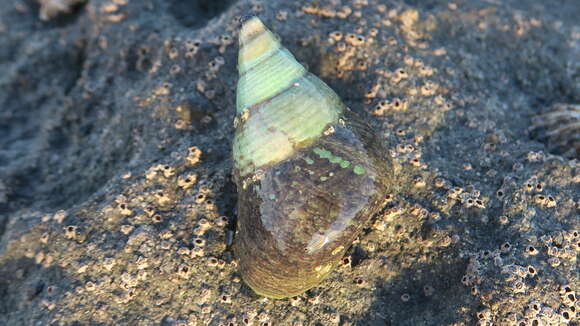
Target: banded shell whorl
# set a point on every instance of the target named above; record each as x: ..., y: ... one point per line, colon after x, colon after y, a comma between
x: 309, y: 172
x: 270, y: 79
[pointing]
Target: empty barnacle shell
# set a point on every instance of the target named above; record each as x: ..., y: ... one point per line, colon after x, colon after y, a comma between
x: 309, y: 172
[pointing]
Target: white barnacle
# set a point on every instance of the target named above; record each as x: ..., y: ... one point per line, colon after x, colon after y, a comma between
x: 329, y: 131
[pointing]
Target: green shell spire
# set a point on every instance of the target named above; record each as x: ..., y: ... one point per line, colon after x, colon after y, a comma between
x: 280, y: 106
x: 308, y: 171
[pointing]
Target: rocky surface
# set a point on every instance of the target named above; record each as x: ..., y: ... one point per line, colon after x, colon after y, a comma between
x: 116, y: 200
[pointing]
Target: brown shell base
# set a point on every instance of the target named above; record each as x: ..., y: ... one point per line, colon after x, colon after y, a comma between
x: 296, y: 220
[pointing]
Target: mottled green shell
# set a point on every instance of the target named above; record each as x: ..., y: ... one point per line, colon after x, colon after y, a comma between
x: 309, y: 172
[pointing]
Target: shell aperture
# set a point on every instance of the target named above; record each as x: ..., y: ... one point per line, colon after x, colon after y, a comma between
x: 309, y: 172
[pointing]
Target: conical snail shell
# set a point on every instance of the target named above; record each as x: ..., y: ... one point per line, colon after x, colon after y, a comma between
x: 309, y: 172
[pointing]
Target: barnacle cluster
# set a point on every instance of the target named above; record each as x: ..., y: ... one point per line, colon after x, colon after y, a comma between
x: 522, y: 303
